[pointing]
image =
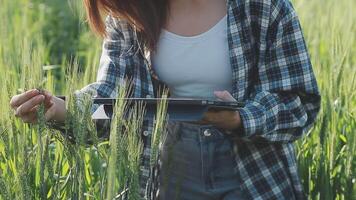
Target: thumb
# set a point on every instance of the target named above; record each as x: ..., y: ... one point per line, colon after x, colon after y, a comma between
x: 48, y: 98
x: 224, y: 95
x: 50, y: 113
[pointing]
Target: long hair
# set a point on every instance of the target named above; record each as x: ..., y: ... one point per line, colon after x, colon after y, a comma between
x: 148, y: 16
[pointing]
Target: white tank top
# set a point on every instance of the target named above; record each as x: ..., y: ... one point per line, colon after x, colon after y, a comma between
x: 193, y: 67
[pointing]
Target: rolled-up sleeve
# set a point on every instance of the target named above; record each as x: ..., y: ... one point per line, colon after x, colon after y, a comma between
x: 113, y: 61
x: 116, y: 48
x: 285, y: 100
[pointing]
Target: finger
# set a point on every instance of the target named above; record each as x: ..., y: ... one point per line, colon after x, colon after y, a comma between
x: 224, y: 95
x: 29, y: 118
x: 15, y: 113
x: 208, y: 116
x: 26, y: 107
x: 48, y: 98
x: 216, y: 116
x: 203, y: 122
x: 34, y: 109
x: 19, y: 99
x: 49, y: 114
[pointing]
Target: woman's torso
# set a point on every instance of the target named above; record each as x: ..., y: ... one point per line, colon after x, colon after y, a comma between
x: 192, y: 52
x: 194, y: 66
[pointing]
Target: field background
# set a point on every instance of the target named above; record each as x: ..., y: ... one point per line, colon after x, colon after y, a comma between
x: 46, y: 43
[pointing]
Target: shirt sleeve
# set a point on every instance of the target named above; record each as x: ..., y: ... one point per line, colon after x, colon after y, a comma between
x: 285, y: 100
x: 116, y: 47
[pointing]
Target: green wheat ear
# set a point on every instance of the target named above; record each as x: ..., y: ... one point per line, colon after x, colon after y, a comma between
x: 117, y: 171
x: 160, y: 124
x: 134, y: 146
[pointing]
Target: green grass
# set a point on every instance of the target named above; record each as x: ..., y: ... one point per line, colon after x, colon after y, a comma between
x: 46, y: 44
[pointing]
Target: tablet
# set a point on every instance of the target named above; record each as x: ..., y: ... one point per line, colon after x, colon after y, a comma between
x: 175, y: 101
x: 181, y: 109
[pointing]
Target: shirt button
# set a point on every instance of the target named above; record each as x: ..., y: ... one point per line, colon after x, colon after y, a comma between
x: 207, y: 132
x: 145, y: 133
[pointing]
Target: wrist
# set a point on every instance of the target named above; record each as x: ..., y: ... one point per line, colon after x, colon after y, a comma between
x: 238, y: 129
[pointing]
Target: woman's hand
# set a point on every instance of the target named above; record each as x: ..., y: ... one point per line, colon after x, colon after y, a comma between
x: 224, y: 119
x: 26, y: 105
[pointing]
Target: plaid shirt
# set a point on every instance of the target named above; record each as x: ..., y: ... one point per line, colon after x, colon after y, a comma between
x: 272, y: 74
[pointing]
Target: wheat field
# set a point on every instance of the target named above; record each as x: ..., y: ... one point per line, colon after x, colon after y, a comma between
x: 47, y: 44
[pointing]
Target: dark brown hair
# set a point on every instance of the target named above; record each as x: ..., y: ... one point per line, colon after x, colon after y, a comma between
x: 148, y: 16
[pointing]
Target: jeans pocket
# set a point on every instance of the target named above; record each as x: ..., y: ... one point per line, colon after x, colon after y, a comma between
x: 223, y: 165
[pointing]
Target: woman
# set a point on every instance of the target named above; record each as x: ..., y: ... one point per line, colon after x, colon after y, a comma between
x: 246, y: 50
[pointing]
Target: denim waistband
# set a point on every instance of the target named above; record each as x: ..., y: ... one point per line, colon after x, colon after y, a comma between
x: 195, y: 131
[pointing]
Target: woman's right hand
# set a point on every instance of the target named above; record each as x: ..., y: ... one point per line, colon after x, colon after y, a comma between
x: 26, y: 105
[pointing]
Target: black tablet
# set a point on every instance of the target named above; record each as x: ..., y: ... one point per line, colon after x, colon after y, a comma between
x: 177, y: 101
x: 182, y: 109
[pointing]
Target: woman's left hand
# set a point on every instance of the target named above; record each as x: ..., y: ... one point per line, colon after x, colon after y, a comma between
x: 224, y: 119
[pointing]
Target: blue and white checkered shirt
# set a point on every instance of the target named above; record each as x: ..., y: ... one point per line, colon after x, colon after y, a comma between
x: 272, y: 74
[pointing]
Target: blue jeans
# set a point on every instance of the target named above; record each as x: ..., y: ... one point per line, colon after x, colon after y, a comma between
x: 196, y: 163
